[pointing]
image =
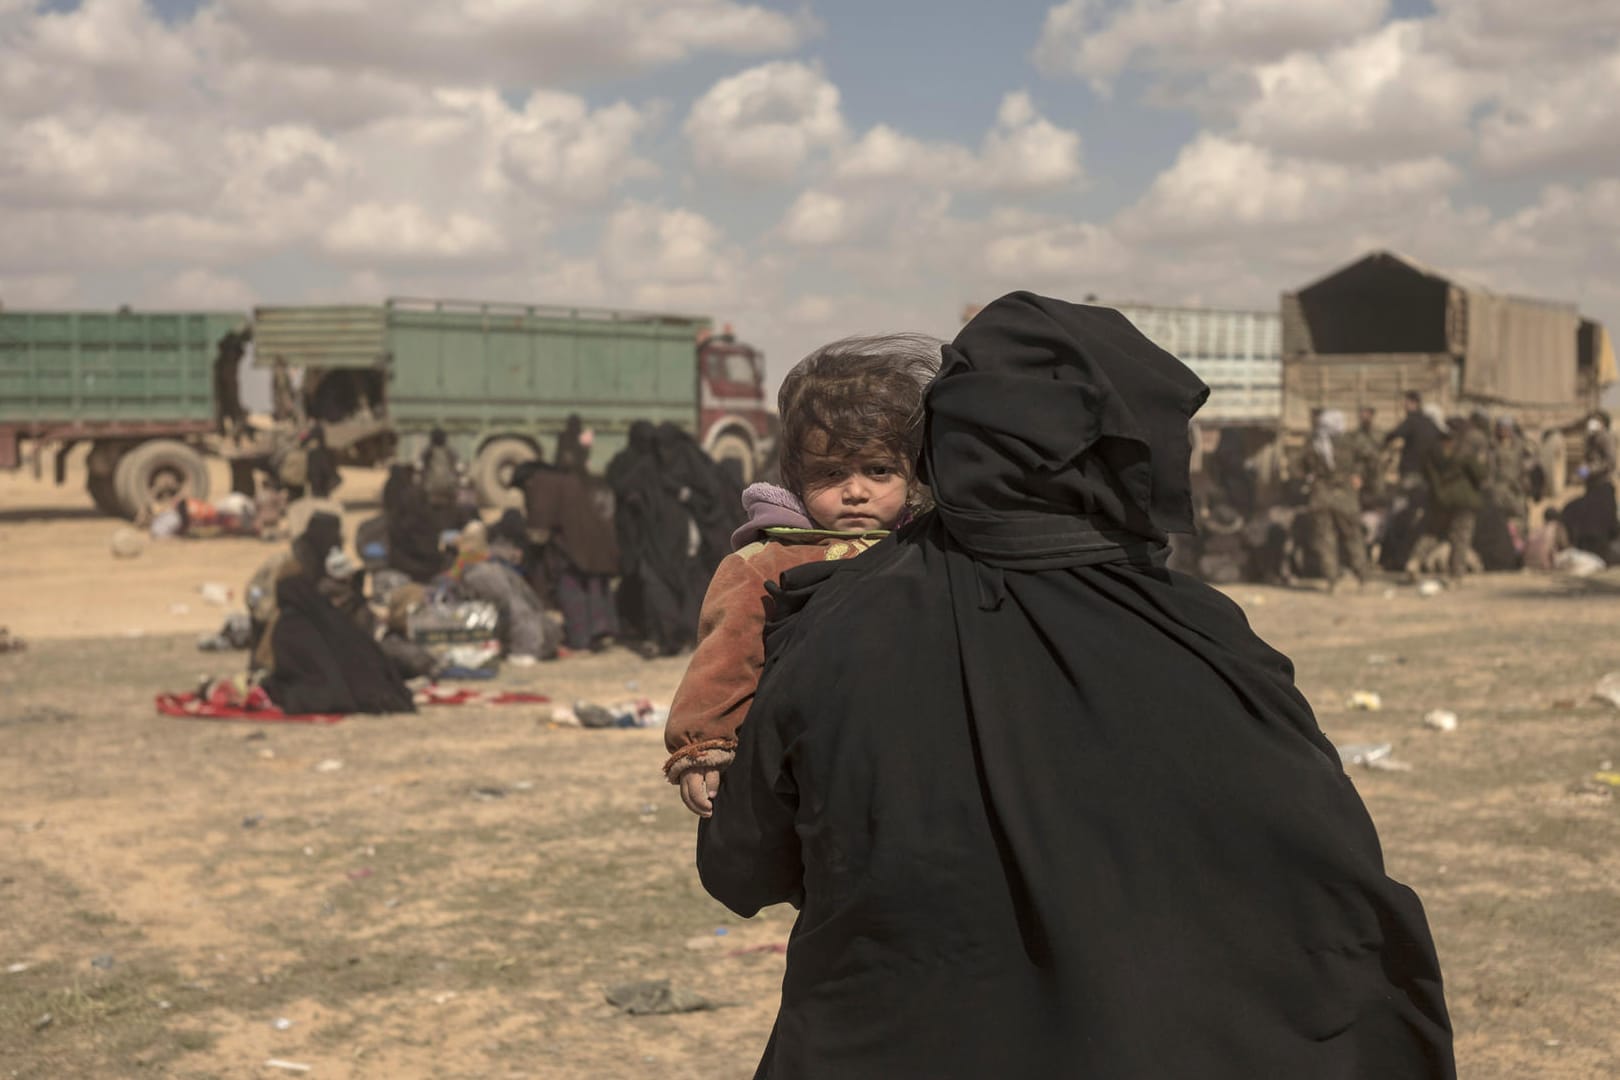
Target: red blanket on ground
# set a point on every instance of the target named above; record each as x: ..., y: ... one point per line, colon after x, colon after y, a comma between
x: 224, y: 701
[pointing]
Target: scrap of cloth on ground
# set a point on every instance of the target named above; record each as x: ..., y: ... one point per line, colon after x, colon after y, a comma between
x: 1047, y: 808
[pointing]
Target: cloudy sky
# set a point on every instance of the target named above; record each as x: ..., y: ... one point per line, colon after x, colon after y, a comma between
x: 802, y: 168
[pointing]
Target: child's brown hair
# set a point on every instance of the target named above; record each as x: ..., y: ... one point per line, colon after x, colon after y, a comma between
x: 856, y: 393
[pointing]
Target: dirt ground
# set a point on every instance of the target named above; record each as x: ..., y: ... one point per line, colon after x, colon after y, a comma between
x: 453, y: 897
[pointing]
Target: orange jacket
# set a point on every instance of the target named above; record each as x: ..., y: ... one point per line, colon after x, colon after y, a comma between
x: 713, y: 698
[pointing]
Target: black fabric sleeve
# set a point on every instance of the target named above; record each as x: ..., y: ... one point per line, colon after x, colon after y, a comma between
x: 748, y: 852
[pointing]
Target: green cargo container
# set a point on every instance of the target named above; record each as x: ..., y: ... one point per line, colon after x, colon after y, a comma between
x: 88, y: 367
x: 500, y: 379
x: 139, y: 387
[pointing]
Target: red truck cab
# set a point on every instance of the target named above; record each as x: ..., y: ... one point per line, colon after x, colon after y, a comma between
x: 733, y: 420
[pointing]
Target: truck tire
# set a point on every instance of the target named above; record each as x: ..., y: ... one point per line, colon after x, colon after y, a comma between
x: 492, y: 470
x: 159, y: 471
x: 101, y: 466
x: 730, y: 446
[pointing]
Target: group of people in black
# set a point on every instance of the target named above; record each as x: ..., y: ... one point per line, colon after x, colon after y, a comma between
x: 624, y: 555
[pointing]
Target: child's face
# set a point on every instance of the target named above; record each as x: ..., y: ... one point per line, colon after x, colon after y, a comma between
x: 863, y: 492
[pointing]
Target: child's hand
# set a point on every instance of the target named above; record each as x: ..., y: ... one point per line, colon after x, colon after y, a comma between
x: 698, y: 789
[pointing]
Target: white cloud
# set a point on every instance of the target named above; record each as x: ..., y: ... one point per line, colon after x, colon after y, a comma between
x: 1076, y: 253
x: 1098, y: 40
x: 669, y: 257
x: 1499, y: 34
x: 559, y: 147
x: 102, y: 53
x: 85, y: 159
x: 1022, y: 152
x: 203, y: 288
x: 817, y: 219
x: 1386, y: 95
x: 37, y: 290
x: 511, y: 42
x: 1223, y: 187
x: 408, y: 232
x: 764, y: 123
x: 1027, y: 152
x: 1567, y: 122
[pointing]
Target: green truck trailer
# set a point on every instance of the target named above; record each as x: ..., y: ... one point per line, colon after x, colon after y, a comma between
x: 147, y: 391
x: 502, y: 379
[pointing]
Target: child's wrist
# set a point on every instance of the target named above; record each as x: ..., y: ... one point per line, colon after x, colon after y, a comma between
x: 704, y: 754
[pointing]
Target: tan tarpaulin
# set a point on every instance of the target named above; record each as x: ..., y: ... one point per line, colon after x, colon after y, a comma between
x: 1519, y: 351
x: 1603, y: 348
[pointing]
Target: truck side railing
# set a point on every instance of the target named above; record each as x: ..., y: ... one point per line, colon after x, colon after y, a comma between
x: 550, y: 311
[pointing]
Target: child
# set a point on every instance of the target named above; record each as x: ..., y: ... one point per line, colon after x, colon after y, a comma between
x: 851, y: 431
x: 1545, y: 543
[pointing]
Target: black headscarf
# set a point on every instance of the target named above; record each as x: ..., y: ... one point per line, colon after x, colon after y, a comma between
x: 413, y: 532
x: 1049, y: 808
x: 323, y: 663
x: 572, y: 453
x: 311, y: 547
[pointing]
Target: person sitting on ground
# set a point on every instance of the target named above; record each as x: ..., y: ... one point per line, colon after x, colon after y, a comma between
x: 851, y: 427
x: 1046, y: 808
x: 1546, y: 541
x: 323, y: 662
x: 527, y: 635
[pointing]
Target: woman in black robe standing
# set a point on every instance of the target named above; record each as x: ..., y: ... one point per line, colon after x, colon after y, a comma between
x: 1049, y: 809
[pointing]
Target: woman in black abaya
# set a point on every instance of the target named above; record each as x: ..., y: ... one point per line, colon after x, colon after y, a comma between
x: 1048, y: 808
x: 324, y: 663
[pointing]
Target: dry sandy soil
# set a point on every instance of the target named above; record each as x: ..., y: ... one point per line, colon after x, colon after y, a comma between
x: 453, y: 900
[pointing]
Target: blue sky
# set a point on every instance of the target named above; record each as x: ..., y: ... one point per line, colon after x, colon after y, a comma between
x: 803, y: 170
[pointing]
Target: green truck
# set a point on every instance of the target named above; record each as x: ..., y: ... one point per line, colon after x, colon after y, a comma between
x: 146, y: 390
x: 502, y: 379
x: 155, y: 393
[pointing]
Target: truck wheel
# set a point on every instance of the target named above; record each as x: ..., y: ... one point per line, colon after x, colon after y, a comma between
x: 101, y: 465
x: 492, y: 471
x: 160, y: 471
x: 731, y: 446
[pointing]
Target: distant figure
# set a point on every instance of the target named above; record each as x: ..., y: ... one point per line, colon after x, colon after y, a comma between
x: 1368, y: 450
x: 1554, y: 465
x: 324, y: 477
x: 227, y: 384
x: 1545, y: 542
x: 284, y: 405
x: 1418, y: 435
x: 659, y: 593
x: 1335, y: 470
x: 441, y: 474
x: 1456, y: 476
x: 413, y: 532
x: 1598, y: 467
x: 570, y: 514
x: 1591, y: 518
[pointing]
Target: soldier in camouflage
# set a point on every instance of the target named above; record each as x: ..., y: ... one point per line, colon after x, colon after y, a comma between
x: 1334, y: 469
